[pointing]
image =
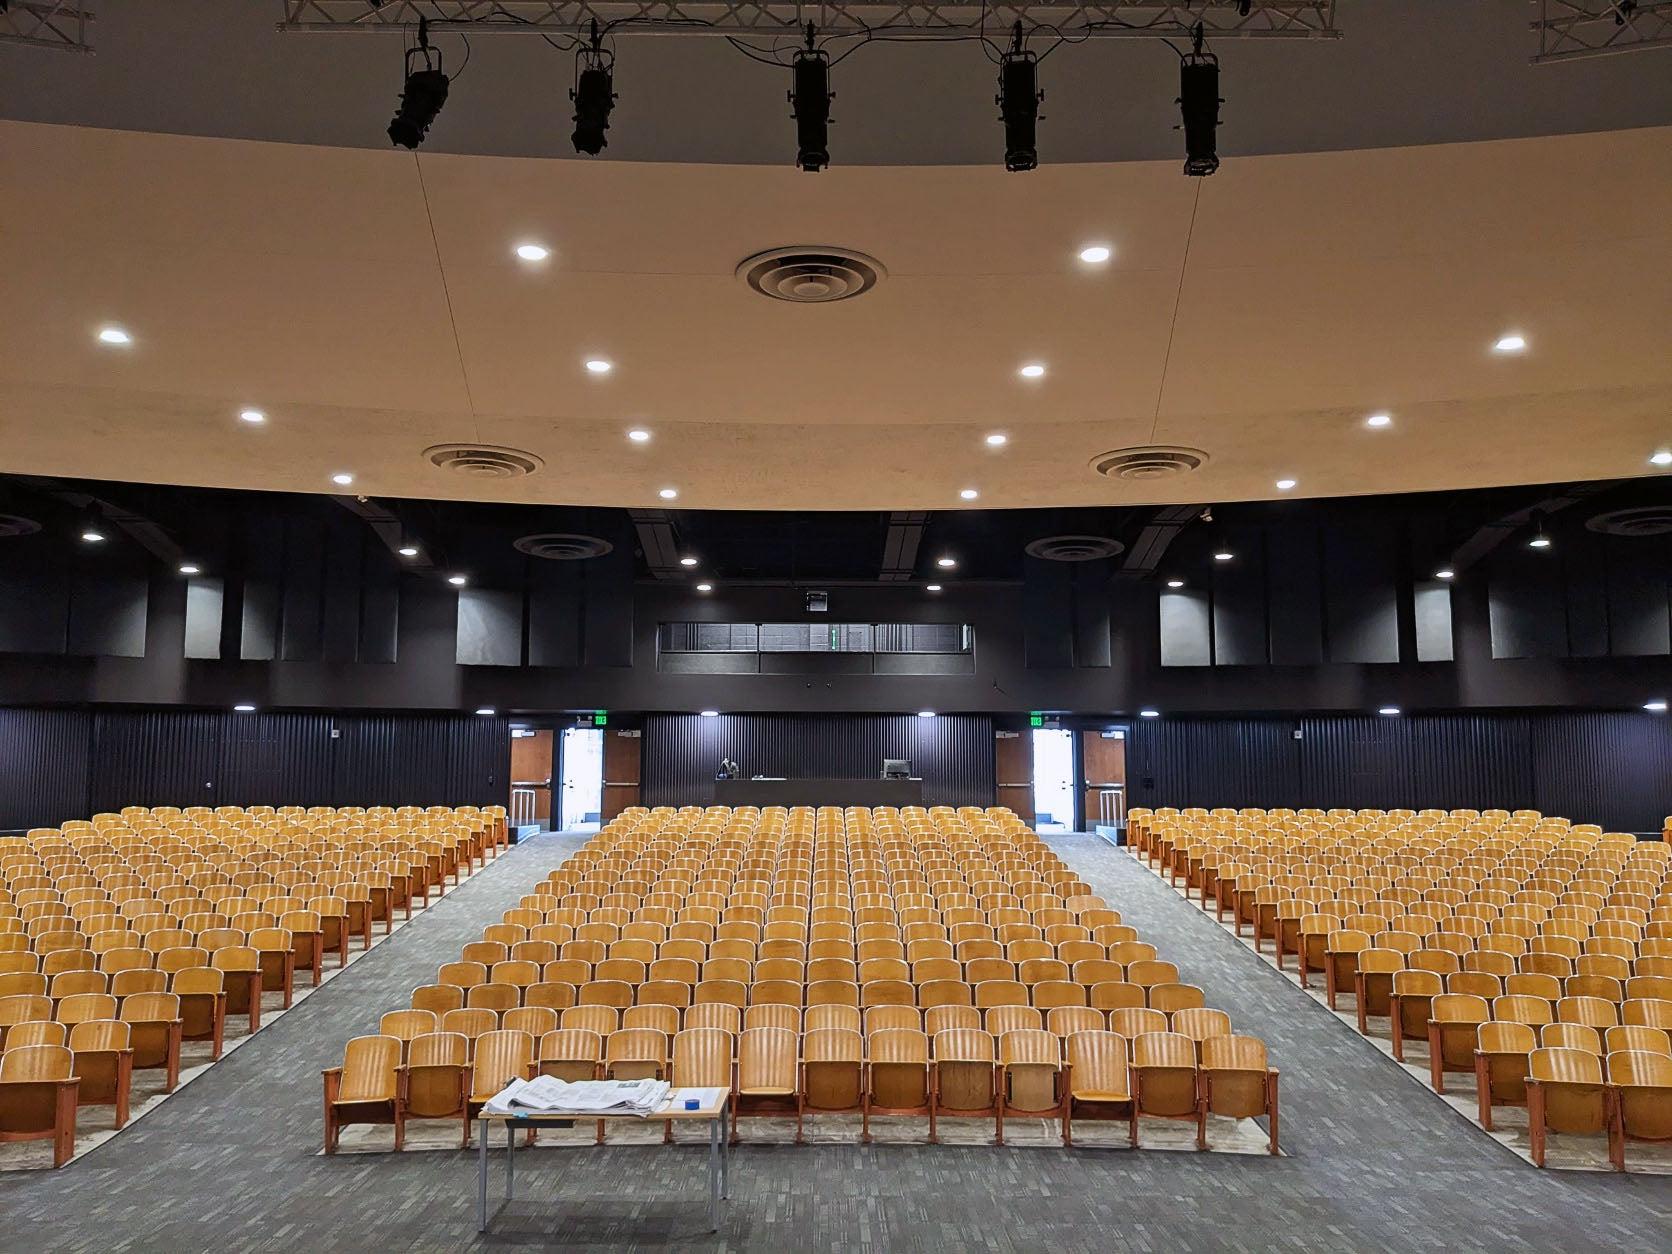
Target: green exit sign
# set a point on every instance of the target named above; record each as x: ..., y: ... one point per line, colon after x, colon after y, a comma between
x: 600, y: 718
x: 1036, y: 720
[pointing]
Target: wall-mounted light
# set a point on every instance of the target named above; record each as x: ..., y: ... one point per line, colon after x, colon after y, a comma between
x: 487, y: 709
x: 1655, y: 707
x: 709, y: 713
x: 243, y: 709
x: 1149, y: 713
x: 1388, y: 710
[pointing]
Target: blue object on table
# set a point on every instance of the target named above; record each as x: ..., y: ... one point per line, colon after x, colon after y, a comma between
x: 691, y: 1103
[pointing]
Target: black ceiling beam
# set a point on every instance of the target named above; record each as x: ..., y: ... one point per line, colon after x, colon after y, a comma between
x: 1145, y: 554
x: 1492, y: 534
x: 900, y: 545
x: 388, y: 528
x: 659, y: 542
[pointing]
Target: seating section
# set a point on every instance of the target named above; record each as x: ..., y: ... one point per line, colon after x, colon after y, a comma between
x: 1530, y: 951
x: 935, y: 962
x: 130, y: 939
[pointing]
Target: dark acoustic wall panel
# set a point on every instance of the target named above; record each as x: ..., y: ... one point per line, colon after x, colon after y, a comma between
x: 952, y: 753
x: 1431, y: 607
x: 341, y: 579
x: 490, y: 627
x: 43, y: 767
x: 554, y: 613
x: 380, y: 604
x: 262, y: 603
x: 1047, y: 614
x: 1612, y: 769
x: 1294, y: 595
x: 1186, y: 628
x: 34, y: 607
x: 607, y: 637
x: 1091, y: 612
x: 1239, y: 608
x: 401, y: 760
x: 1361, y: 620
x: 1638, y: 621
x: 1585, y: 592
x: 204, y: 597
x: 154, y: 758
x: 1525, y: 603
x: 301, y: 622
x: 107, y: 614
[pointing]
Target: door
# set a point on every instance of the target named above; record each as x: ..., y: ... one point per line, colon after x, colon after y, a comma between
x: 1013, y: 773
x: 621, y: 772
x: 531, y: 777
x: 581, y: 801
x: 1103, y: 768
x: 1053, y: 779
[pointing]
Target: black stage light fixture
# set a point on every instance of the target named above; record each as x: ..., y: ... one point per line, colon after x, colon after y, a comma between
x: 594, y: 95
x: 422, y: 96
x: 811, y: 96
x: 1018, y: 102
x: 1199, y: 102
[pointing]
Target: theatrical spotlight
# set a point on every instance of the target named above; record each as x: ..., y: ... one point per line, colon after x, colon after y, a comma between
x: 422, y: 96
x: 811, y: 96
x: 594, y: 96
x: 1018, y: 102
x: 1199, y: 102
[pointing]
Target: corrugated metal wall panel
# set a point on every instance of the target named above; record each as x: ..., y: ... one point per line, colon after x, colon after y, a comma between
x: 1613, y: 769
x: 953, y: 752
x: 275, y: 759
x: 1469, y: 761
x: 154, y: 758
x: 43, y: 767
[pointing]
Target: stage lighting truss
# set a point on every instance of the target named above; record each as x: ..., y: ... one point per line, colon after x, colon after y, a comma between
x: 42, y: 24
x: 1222, y: 19
x: 1572, y: 30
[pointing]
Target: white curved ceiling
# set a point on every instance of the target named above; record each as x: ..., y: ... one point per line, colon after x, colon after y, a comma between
x: 370, y: 303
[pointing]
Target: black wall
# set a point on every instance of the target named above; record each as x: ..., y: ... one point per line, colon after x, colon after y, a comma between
x: 952, y: 753
x: 68, y: 764
x: 1612, y: 769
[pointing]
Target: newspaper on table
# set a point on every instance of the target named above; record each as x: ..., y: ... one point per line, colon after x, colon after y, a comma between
x: 549, y: 1095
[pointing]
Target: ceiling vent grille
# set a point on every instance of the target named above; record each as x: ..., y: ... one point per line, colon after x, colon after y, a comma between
x: 12, y: 525
x: 1074, y: 548
x: 1647, y: 520
x: 560, y: 546
x: 1159, y: 461
x: 811, y: 276
x: 483, y: 461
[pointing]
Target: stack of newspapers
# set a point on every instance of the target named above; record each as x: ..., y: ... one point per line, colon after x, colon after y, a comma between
x: 547, y: 1095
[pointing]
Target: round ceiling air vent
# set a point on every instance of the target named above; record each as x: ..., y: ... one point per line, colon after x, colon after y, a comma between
x: 561, y: 546
x: 1158, y: 461
x: 12, y: 525
x: 1646, y: 520
x: 1074, y: 548
x: 811, y: 276
x: 484, y: 461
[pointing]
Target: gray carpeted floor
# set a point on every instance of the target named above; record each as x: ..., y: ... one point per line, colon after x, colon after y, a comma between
x: 1374, y: 1162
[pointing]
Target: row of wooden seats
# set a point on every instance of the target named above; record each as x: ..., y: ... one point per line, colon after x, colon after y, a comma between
x: 778, y: 1072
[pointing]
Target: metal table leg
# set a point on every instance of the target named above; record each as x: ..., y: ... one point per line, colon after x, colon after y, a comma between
x: 714, y: 1175
x: 482, y: 1175
x: 725, y: 1158
x: 510, y: 1160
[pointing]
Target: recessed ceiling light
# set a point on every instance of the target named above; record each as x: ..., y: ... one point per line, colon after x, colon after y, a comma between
x: 597, y: 365
x: 1379, y: 420
x: 705, y: 587
x: 1283, y: 485
x: 1224, y: 555
x: 114, y: 335
x: 946, y: 563
x: 244, y: 709
x: 968, y: 494
x: 668, y: 494
x: 486, y: 709
x: 638, y: 435
x: 709, y: 713
x: 190, y: 569
x: 1175, y: 583
x: 92, y: 535
x: 458, y: 581
x: 1540, y: 541
x: 252, y: 416
x: 934, y: 587
x: 1661, y: 457
x: 408, y: 550
x: 687, y: 561
x: 1389, y: 710
x: 997, y: 439
x: 1149, y: 713
x: 1096, y: 254
x: 1033, y: 370
x: 1445, y: 572
x: 925, y: 714
x: 342, y: 478
x: 1511, y: 343
x: 533, y: 252
x: 1655, y: 707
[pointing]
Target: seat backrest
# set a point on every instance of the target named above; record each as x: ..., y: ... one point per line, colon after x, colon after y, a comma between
x: 1637, y: 1037
x: 898, y: 1046
x: 437, y: 1049
x: 963, y: 1045
x: 1163, y: 1049
x: 636, y: 1045
x: 500, y: 1057
x: 32, y: 1064
x: 1099, y: 1061
x: 1031, y: 1047
x: 1508, y: 1037
x: 100, y: 1035
x: 571, y: 1045
x: 1233, y: 1053
x: 1565, y: 1066
x: 1640, y: 1067
x: 150, y: 1008
x: 766, y: 1058
x: 369, y: 1064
